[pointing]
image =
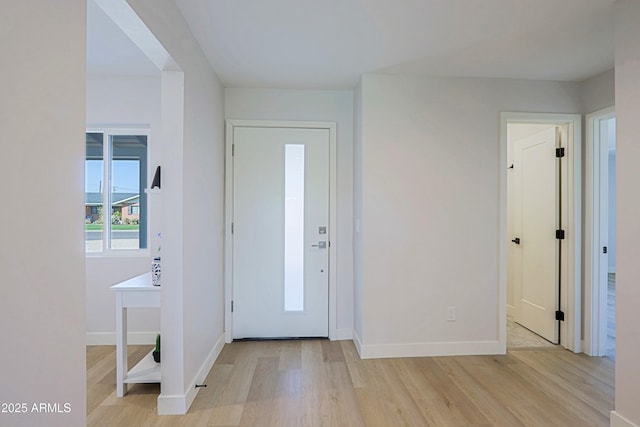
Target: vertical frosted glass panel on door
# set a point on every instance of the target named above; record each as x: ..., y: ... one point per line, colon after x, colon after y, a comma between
x: 294, y: 227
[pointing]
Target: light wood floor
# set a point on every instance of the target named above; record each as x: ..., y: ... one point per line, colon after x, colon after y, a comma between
x: 324, y: 383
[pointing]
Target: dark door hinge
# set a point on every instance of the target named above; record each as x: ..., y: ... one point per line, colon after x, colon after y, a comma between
x: 559, y: 234
x: 560, y: 315
x: 604, y: 249
x: 231, y: 228
x: 232, y: 306
x: 233, y: 149
x: 560, y: 152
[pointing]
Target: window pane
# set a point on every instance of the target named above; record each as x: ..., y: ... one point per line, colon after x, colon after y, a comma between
x: 294, y: 227
x: 128, y: 178
x: 93, y: 176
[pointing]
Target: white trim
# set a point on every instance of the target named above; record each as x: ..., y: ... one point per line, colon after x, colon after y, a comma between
x: 228, y: 247
x: 344, y: 334
x: 192, y: 392
x: 571, y: 301
x: 180, y: 404
x: 172, y: 405
x: 357, y: 341
x: 130, y: 23
x: 109, y: 338
x: 618, y: 420
x: 595, y: 233
x: 429, y: 349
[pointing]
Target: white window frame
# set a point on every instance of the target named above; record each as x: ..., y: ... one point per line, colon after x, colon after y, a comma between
x: 108, y: 132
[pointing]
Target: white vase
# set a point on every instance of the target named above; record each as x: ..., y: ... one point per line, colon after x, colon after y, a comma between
x: 155, y: 271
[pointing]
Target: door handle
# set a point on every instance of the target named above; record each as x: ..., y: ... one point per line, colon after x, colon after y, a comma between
x: 320, y: 245
x: 516, y: 240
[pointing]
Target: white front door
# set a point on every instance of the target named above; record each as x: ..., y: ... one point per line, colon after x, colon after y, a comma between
x: 280, y: 232
x: 536, y: 214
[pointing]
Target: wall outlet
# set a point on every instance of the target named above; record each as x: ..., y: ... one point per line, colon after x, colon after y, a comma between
x: 451, y: 314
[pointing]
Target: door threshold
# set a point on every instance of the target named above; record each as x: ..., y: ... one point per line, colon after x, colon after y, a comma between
x: 280, y: 339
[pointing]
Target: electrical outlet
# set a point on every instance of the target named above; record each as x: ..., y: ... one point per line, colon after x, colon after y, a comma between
x: 451, y: 314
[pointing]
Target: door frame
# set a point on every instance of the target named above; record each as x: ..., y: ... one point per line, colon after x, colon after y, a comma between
x: 570, y: 303
x: 231, y: 124
x: 596, y: 234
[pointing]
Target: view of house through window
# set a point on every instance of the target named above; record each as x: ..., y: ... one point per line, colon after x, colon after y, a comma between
x: 119, y: 185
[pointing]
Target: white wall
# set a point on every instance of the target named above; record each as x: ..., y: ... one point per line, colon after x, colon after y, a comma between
x: 308, y: 105
x: 627, y: 95
x: 431, y: 208
x: 192, y: 203
x: 357, y: 214
x: 598, y: 92
x: 611, y: 248
x: 42, y: 115
x: 122, y: 101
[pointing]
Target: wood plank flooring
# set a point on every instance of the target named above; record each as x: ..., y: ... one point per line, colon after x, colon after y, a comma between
x: 324, y: 383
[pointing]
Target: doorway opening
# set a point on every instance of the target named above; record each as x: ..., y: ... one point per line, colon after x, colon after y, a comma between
x: 600, y: 236
x: 540, y: 272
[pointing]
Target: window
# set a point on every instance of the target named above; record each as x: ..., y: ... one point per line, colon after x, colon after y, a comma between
x: 119, y: 185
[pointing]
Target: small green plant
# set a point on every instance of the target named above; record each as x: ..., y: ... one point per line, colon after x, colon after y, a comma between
x: 156, y: 351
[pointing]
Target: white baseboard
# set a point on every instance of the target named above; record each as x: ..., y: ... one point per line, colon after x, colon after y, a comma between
x: 179, y: 404
x: 428, y: 349
x: 358, y: 343
x: 618, y: 420
x: 511, y: 310
x: 344, y: 334
x: 109, y: 338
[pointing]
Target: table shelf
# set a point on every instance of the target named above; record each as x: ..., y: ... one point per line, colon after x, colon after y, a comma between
x: 145, y: 371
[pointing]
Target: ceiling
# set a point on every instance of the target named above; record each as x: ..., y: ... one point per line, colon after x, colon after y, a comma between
x: 320, y: 44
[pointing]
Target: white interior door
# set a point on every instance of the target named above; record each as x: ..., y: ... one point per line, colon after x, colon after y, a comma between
x: 280, y: 232
x: 536, y: 220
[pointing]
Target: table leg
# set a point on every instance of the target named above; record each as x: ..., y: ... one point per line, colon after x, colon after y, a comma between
x: 121, y: 347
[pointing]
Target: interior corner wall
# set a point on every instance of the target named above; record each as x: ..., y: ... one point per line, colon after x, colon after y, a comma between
x: 315, y: 105
x: 357, y: 215
x: 123, y: 101
x: 192, y: 190
x: 627, y: 95
x: 42, y: 116
x: 598, y: 92
x: 430, y: 208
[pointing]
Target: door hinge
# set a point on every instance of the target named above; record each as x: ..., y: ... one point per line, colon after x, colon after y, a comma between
x: 231, y: 228
x: 233, y: 150
x: 604, y: 249
x: 559, y: 234
x: 560, y: 315
x: 560, y: 152
x: 232, y: 306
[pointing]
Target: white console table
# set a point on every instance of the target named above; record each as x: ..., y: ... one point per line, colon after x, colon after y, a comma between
x: 137, y: 292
